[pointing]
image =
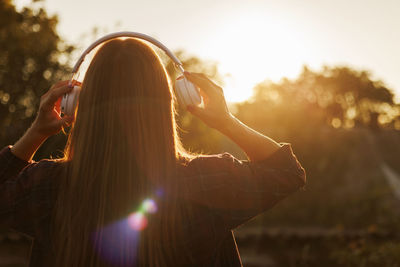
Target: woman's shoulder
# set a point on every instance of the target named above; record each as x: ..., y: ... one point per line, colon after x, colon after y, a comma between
x: 49, y: 163
x: 203, y: 163
x: 44, y: 169
x: 195, y: 158
x: 283, y: 160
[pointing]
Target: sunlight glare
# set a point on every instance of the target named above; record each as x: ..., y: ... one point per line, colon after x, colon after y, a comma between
x: 253, y: 48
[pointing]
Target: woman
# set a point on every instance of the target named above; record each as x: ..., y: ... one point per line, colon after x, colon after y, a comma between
x: 127, y: 193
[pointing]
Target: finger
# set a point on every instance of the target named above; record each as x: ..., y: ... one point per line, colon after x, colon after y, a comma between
x: 64, y: 121
x: 54, y: 95
x: 53, y: 87
x: 58, y: 92
x: 68, y: 120
x: 203, y: 77
x: 204, y: 96
x: 78, y: 83
x: 203, y: 83
x: 58, y: 106
x: 198, y: 78
x: 215, y: 88
x: 195, y: 110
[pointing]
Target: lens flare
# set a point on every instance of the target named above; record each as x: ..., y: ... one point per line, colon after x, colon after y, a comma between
x: 160, y: 192
x: 122, y: 237
x: 117, y: 243
x: 149, y: 206
x: 137, y: 221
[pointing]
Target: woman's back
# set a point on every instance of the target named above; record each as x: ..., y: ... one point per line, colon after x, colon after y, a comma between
x: 210, y: 189
x: 123, y: 154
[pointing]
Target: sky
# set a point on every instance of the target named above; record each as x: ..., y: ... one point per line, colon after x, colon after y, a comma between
x: 252, y: 40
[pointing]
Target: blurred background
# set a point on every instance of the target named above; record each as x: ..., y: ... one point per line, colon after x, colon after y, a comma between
x: 322, y: 75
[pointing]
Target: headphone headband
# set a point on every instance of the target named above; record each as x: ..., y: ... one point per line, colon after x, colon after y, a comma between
x: 128, y: 34
x: 186, y: 92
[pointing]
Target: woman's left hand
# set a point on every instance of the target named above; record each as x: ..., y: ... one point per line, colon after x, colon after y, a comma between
x: 48, y: 120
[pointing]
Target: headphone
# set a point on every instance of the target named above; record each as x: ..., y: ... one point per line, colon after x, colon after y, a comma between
x: 186, y: 92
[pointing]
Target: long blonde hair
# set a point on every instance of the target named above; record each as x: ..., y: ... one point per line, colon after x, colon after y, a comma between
x: 122, y: 147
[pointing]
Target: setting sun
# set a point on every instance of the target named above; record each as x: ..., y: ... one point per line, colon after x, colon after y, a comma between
x: 252, y: 48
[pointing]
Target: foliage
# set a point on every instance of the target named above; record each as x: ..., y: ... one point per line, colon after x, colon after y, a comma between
x: 30, y: 50
x: 332, y: 119
x: 337, y: 96
x: 332, y: 249
x: 365, y: 254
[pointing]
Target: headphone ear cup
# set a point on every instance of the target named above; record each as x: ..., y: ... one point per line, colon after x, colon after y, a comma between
x: 70, y: 101
x: 186, y: 92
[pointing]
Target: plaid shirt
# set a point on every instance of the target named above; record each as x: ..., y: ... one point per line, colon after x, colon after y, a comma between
x: 225, y: 191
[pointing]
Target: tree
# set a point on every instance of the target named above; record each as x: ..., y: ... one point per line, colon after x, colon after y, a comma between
x: 338, y: 96
x: 30, y: 49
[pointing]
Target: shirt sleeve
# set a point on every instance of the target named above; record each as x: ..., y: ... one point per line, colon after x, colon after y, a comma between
x: 24, y: 192
x: 237, y: 190
x: 10, y: 165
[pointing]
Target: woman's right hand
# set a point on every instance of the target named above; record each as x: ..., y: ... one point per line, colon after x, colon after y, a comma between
x: 48, y: 120
x: 215, y: 112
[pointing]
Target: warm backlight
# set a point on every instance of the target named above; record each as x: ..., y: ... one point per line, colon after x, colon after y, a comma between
x: 251, y: 48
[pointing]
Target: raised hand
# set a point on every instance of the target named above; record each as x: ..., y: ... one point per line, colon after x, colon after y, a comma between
x: 48, y: 120
x: 215, y: 112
